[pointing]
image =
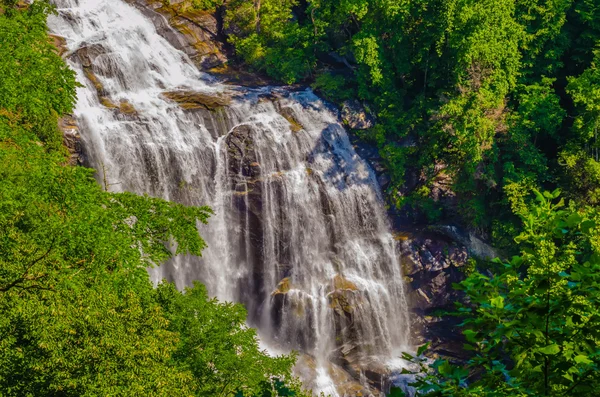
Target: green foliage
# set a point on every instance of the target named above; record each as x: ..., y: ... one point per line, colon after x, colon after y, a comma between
x: 227, y: 345
x: 265, y: 37
x: 533, y: 325
x: 78, y: 313
x: 333, y: 87
x: 36, y: 85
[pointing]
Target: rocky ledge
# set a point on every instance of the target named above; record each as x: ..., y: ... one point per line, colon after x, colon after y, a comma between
x: 199, y: 34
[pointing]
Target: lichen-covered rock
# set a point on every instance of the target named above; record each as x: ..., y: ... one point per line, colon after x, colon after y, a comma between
x: 355, y: 116
x: 283, y: 287
x: 344, y: 297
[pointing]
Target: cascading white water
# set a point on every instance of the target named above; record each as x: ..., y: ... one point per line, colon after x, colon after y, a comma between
x: 299, y: 233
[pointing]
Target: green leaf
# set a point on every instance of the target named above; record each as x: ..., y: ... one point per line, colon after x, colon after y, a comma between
x: 582, y: 359
x: 497, y: 302
x: 423, y: 348
x: 470, y: 335
x: 550, y: 349
x: 574, y: 219
x: 445, y: 368
x: 587, y: 226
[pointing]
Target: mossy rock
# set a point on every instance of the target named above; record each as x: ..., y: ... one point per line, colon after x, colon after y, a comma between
x: 342, y: 283
x: 108, y: 103
x: 284, y: 286
x: 342, y: 302
x: 190, y: 100
x: 127, y: 108
x: 94, y: 80
x: 289, y: 115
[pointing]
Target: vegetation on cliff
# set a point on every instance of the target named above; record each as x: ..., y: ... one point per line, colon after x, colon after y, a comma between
x: 79, y: 315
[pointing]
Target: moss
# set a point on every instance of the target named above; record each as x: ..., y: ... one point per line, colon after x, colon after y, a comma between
x: 107, y: 103
x: 127, y: 108
x: 339, y: 302
x: 288, y: 114
x: 94, y: 79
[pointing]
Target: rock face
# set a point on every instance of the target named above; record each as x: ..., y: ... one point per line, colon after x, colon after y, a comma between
x: 355, y: 116
x: 200, y: 36
x: 71, y: 139
x: 432, y: 262
x: 68, y: 124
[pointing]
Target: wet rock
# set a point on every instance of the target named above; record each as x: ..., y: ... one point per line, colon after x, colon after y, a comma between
x: 345, y: 296
x: 283, y: 287
x: 343, y: 302
x: 288, y: 114
x: 431, y: 263
x: 199, y: 31
x: 71, y: 138
x: 346, y: 385
x: 364, y: 368
x: 123, y: 107
x: 107, y: 103
x: 87, y: 54
x: 476, y: 247
x: 342, y: 283
x: 198, y: 100
x: 127, y: 108
x: 355, y: 116
x: 60, y: 43
x: 241, y: 152
x: 91, y: 76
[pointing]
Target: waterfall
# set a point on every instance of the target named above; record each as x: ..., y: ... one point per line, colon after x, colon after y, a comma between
x: 299, y: 234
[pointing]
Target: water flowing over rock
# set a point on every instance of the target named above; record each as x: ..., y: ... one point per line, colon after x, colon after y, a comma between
x: 299, y: 234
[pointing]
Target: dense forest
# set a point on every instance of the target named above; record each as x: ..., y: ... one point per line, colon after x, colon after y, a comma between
x: 498, y: 100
